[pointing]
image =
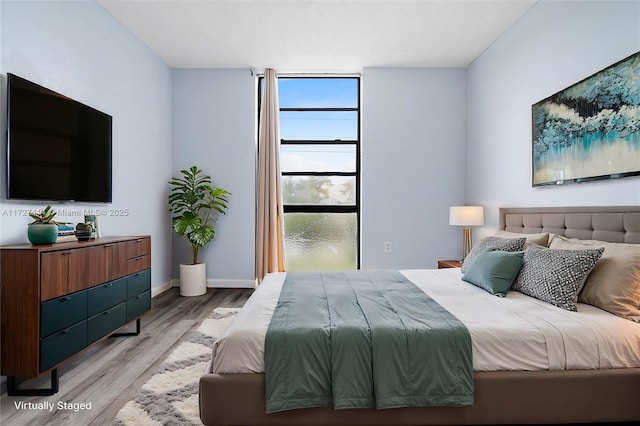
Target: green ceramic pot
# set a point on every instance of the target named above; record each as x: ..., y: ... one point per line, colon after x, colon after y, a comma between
x: 42, y: 233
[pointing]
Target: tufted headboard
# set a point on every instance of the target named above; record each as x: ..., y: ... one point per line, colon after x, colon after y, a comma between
x: 612, y: 224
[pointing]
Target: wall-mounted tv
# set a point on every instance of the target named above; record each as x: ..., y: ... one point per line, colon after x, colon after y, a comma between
x: 58, y: 149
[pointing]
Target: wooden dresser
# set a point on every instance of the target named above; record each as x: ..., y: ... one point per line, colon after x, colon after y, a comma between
x: 58, y: 299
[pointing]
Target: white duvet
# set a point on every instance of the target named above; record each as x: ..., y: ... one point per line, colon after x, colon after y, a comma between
x: 516, y: 332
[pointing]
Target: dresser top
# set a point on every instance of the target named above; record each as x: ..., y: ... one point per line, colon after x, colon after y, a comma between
x: 72, y: 244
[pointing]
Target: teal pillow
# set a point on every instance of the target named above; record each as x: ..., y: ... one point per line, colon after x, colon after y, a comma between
x: 494, y: 270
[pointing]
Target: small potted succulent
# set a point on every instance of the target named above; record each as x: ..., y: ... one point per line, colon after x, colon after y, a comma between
x: 43, y: 229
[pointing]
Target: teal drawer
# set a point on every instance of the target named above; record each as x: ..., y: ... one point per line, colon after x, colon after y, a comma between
x: 62, y: 312
x: 63, y: 344
x: 138, y: 283
x: 138, y: 305
x: 105, y: 296
x: 105, y: 322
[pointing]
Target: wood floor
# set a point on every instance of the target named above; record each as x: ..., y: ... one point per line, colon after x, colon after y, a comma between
x: 108, y: 374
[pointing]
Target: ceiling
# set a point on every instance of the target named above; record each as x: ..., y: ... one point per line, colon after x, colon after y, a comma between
x: 317, y: 35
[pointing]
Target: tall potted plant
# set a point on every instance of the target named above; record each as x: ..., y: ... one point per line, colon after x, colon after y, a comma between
x: 193, y: 200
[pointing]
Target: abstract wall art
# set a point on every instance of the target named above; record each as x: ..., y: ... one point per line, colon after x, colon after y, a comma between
x: 590, y: 130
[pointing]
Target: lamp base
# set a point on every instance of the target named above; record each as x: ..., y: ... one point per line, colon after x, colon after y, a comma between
x: 466, y: 243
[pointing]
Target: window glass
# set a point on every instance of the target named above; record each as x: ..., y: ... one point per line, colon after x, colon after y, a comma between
x: 320, y: 241
x: 318, y: 92
x: 319, y: 190
x: 318, y: 158
x: 319, y: 125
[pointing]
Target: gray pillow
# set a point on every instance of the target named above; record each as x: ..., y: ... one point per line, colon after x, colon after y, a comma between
x: 495, y: 243
x: 494, y: 271
x: 556, y: 276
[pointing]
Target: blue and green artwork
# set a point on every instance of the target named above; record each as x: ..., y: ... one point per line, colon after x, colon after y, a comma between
x: 590, y: 130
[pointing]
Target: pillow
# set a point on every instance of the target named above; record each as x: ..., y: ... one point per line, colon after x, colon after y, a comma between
x: 542, y: 239
x: 556, y: 276
x: 496, y: 243
x: 494, y: 271
x: 614, y: 283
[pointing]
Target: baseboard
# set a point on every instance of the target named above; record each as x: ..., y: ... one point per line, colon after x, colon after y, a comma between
x: 219, y: 283
x: 163, y: 287
x: 222, y: 283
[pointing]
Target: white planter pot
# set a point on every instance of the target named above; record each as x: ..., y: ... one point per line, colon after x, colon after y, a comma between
x: 193, y: 279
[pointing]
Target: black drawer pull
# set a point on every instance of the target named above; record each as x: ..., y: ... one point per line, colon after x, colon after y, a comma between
x: 65, y: 331
x: 66, y: 298
x: 108, y: 245
x: 139, y: 296
x: 108, y: 284
x: 106, y: 312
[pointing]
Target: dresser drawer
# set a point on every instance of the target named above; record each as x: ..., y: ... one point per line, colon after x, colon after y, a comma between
x: 62, y: 312
x: 138, y: 305
x: 139, y: 247
x: 138, y: 283
x: 138, y: 264
x: 105, y: 322
x: 63, y: 344
x: 105, y: 296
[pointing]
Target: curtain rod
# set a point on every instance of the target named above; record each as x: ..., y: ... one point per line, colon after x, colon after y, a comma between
x: 310, y: 74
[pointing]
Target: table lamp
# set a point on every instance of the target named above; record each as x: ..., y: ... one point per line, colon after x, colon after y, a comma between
x: 466, y: 216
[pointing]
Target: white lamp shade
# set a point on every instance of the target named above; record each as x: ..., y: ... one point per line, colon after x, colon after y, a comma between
x: 466, y: 216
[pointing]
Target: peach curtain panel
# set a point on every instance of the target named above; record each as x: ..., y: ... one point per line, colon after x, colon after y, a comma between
x: 269, y: 238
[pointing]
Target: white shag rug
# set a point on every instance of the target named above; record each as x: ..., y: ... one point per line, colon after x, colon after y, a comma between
x: 170, y: 397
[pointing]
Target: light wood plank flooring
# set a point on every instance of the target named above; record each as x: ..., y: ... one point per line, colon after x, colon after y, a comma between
x: 109, y: 373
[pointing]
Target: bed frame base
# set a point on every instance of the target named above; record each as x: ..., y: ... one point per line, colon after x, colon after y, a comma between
x: 501, y: 397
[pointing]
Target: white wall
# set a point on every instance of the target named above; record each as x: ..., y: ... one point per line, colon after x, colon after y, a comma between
x: 214, y: 128
x: 79, y: 50
x: 555, y: 45
x: 413, y: 165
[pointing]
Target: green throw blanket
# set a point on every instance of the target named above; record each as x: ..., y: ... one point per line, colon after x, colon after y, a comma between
x: 363, y: 339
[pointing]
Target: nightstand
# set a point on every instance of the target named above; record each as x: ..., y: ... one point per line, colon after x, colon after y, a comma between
x: 449, y: 264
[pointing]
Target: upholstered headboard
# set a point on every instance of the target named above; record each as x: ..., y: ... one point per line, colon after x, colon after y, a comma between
x: 612, y: 224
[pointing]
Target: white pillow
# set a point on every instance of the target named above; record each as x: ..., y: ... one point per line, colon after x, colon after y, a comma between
x: 614, y: 283
x: 541, y: 239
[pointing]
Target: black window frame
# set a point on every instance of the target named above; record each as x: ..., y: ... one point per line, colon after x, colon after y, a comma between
x: 326, y: 208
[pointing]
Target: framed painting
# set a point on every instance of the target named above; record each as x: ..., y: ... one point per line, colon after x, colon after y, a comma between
x: 590, y: 130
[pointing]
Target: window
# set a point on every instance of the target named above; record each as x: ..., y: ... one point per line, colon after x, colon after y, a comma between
x: 320, y: 162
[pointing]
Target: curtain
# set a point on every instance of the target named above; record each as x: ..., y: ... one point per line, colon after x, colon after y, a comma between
x: 269, y: 238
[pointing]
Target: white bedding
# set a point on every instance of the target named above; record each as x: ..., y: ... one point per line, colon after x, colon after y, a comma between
x: 512, y: 333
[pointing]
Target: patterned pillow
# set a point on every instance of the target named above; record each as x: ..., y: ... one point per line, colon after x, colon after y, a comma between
x: 494, y: 243
x: 556, y: 276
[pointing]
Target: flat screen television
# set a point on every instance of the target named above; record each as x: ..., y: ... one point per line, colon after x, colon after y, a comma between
x: 58, y: 149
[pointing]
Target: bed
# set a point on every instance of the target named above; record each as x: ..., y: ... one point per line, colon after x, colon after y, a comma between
x: 564, y: 383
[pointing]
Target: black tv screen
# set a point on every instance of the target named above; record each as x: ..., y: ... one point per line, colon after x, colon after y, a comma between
x: 58, y: 149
